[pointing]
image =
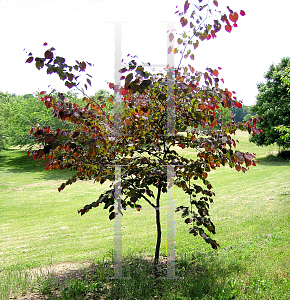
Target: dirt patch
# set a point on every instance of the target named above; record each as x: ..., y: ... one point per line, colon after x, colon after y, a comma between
x: 61, y: 272
x: 71, y: 270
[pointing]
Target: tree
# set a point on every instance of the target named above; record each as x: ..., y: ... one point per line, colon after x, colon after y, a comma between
x: 273, y: 106
x: 242, y: 113
x: 141, y: 133
x: 285, y: 77
x: 104, y: 98
x: 285, y: 131
x: 5, y: 114
x: 19, y: 113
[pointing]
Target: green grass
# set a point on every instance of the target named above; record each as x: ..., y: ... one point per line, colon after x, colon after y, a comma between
x: 40, y: 227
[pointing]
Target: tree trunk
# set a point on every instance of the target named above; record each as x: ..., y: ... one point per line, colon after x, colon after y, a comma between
x: 158, y: 226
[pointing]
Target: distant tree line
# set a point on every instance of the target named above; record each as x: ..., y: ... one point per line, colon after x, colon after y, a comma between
x: 19, y: 113
x: 243, y: 114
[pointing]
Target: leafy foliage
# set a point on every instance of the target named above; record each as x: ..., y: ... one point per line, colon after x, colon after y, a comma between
x: 19, y: 113
x: 285, y: 131
x: 139, y: 135
x: 273, y: 106
x: 285, y: 77
x: 242, y: 113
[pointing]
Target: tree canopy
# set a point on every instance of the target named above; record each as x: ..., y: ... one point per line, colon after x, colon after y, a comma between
x: 141, y: 135
x: 19, y: 113
x: 273, y: 105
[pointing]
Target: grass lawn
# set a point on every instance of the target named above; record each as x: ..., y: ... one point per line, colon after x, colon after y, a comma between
x: 40, y: 227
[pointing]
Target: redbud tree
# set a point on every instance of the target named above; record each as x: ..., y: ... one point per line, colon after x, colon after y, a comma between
x: 144, y: 130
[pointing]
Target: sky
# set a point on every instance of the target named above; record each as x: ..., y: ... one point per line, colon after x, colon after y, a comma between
x: 84, y: 30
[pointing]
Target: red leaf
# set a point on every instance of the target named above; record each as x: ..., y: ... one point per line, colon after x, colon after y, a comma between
x: 195, y: 45
x: 169, y: 50
x: 242, y: 13
x: 215, y: 3
x: 123, y: 70
x: 191, y: 69
x: 208, y: 37
x: 219, y: 68
x: 28, y: 153
x: 228, y: 28
x: 48, y: 54
x: 238, y: 168
x: 183, y: 21
x: 43, y: 92
x: 69, y: 84
x: 234, y: 17
x: 235, y: 25
x: 171, y: 37
x: 89, y: 82
x: 213, y: 34
x: 111, y: 85
x: 215, y: 73
x: 83, y: 66
x: 224, y: 18
x: 29, y: 59
x: 186, y: 6
x: 70, y: 76
x: 222, y: 80
x: 45, y: 44
x: 129, y: 122
x: 239, y: 105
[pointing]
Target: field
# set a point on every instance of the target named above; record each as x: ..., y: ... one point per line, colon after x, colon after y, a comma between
x: 40, y: 228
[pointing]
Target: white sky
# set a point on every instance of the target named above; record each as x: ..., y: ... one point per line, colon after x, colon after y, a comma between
x: 84, y: 30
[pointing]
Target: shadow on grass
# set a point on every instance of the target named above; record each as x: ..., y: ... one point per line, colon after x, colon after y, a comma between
x: 203, y: 276
x: 272, y: 160
x: 17, y: 161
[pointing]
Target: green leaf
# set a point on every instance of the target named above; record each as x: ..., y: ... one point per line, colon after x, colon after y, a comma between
x: 39, y: 64
x: 129, y: 77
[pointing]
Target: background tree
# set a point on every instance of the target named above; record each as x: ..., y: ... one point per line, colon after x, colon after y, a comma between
x: 19, y: 113
x: 242, y: 113
x: 273, y: 106
x: 5, y: 116
x: 285, y: 76
x: 104, y: 98
x: 138, y: 136
x: 285, y: 131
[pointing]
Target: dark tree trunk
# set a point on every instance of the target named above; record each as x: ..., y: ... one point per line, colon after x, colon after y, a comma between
x: 158, y: 226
